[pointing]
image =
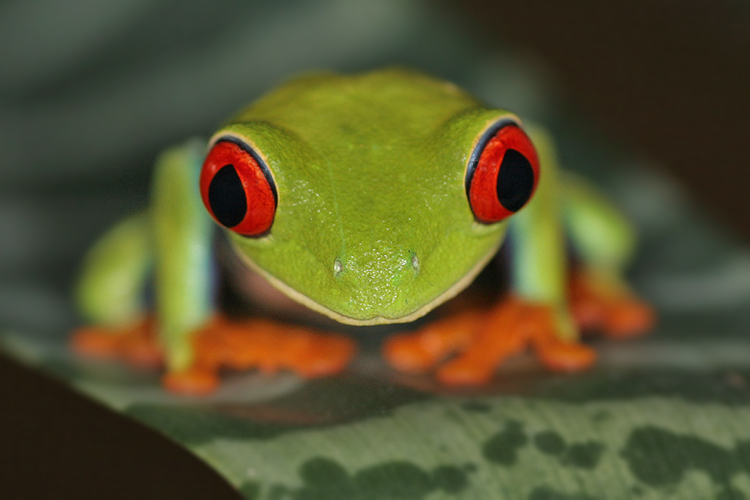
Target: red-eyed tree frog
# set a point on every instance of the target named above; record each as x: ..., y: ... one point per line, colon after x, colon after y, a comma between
x: 370, y: 199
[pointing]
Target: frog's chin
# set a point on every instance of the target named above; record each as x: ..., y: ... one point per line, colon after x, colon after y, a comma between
x: 375, y: 320
x: 448, y: 294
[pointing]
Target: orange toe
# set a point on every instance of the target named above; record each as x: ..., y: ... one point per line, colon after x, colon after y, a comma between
x: 420, y: 351
x: 562, y: 356
x: 502, y: 334
x: 94, y: 342
x: 271, y: 346
x: 320, y: 355
x: 629, y: 318
x: 487, y: 341
x: 193, y: 382
x: 465, y: 372
x: 135, y: 344
x: 600, y: 304
x: 220, y: 344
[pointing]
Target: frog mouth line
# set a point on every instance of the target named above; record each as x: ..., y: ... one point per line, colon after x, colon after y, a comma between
x: 306, y: 301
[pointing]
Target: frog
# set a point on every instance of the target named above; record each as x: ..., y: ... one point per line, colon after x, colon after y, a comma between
x: 365, y: 199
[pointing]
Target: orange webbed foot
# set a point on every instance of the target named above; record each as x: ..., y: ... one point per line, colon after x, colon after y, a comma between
x: 264, y: 345
x: 421, y: 351
x: 484, y: 341
x: 259, y: 344
x: 135, y: 344
x: 602, y: 304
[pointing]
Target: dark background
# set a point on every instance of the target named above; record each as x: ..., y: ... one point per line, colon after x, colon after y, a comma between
x: 666, y: 78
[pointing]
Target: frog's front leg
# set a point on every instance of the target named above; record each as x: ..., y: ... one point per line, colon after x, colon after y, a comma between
x: 110, y: 295
x: 604, y: 241
x: 198, y: 341
x: 537, y: 312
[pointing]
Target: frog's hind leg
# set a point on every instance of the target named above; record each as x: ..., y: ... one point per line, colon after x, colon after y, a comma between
x: 110, y: 295
x: 170, y: 244
x: 603, y: 241
x: 114, y: 274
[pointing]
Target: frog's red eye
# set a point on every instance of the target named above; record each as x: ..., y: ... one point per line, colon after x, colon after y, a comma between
x: 503, y: 173
x: 237, y: 188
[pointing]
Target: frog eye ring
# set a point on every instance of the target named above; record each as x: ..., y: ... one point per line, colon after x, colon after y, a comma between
x: 237, y: 188
x: 503, y: 173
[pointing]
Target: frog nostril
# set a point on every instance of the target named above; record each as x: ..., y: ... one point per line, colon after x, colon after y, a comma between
x: 338, y: 267
x: 415, y: 262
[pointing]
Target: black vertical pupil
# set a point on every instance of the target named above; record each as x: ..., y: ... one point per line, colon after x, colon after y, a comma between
x: 515, y: 181
x: 227, y: 196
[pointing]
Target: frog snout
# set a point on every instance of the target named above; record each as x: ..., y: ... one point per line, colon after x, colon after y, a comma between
x: 377, y: 263
x: 386, y: 268
x: 338, y: 265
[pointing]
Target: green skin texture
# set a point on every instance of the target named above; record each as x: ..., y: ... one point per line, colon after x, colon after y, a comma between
x: 372, y: 224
